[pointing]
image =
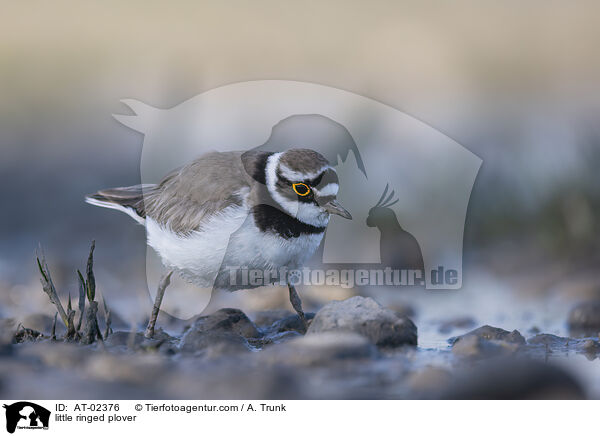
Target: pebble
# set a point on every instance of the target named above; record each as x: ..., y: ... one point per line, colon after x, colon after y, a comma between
x: 493, y: 333
x: 228, y: 321
x: 584, y: 319
x: 213, y: 344
x: 383, y: 327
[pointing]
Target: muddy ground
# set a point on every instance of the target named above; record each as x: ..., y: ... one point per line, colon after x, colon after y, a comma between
x: 523, y: 337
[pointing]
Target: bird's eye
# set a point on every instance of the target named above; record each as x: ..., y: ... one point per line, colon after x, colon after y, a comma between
x: 301, y: 189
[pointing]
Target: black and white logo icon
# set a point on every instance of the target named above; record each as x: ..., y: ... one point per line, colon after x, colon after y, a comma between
x: 26, y: 415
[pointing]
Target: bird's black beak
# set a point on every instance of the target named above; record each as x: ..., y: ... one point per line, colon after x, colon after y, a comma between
x: 333, y: 207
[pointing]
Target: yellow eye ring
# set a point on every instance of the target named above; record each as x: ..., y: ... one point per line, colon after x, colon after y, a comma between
x: 302, y: 189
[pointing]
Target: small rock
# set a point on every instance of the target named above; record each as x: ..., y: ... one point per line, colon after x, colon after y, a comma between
x: 213, y: 344
x: 321, y: 348
x: 476, y: 347
x: 487, y: 341
x: 590, y: 347
x: 225, y: 332
x: 493, y: 333
x: 227, y: 321
x: 584, y: 319
x: 383, y: 327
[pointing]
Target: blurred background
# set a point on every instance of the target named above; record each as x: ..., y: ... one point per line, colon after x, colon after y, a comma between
x: 515, y: 83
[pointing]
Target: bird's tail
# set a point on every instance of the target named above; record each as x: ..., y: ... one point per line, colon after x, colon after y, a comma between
x: 129, y: 199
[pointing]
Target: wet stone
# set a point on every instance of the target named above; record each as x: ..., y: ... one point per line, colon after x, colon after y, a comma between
x: 492, y: 333
x: 213, y: 344
x: 476, y: 347
x: 227, y: 321
x: 383, y: 327
x: 584, y: 319
x: 589, y: 347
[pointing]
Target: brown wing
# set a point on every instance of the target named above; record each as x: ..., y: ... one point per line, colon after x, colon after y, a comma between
x: 188, y: 196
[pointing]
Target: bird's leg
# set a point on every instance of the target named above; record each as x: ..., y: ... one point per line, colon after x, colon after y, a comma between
x: 297, y: 305
x: 160, y: 292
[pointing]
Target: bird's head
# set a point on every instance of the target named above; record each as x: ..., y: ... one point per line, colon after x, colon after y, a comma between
x: 303, y: 183
x: 381, y: 212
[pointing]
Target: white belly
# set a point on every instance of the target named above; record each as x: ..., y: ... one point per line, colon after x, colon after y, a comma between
x: 228, y: 240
